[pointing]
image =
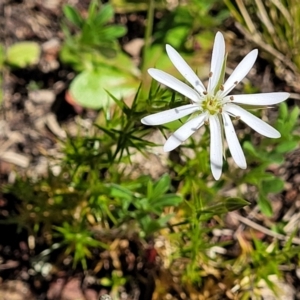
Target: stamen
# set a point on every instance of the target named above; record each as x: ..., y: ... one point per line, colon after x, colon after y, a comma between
x: 204, y: 93
x: 231, y: 98
x: 237, y: 117
x: 236, y: 82
x: 206, y: 122
x: 222, y: 87
x: 210, y: 74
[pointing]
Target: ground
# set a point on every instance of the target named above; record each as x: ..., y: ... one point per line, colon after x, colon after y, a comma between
x: 31, y: 122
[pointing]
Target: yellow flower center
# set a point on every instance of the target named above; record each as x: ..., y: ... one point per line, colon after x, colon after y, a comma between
x: 212, y: 104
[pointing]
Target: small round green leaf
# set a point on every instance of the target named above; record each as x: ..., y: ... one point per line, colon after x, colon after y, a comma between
x: 274, y: 185
x: 23, y: 54
x: 89, y: 87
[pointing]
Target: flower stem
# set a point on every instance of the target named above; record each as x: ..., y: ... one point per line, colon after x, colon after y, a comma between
x: 148, y: 34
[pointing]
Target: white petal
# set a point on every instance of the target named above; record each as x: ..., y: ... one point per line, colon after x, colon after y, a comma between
x: 184, y: 132
x: 233, y: 142
x: 258, y: 99
x: 170, y: 115
x: 216, y: 147
x: 252, y: 121
x: 174, y: 84
x: 217, y: 59
x: 185, y: 70
x: 240, y: 72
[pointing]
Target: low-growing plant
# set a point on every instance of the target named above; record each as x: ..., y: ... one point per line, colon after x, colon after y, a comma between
x: 78, y: 240
x: 93, y: 195
x: 95, y: 198
x: 92, y: 49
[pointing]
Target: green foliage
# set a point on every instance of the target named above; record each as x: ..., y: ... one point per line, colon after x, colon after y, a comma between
x: 126, y: 6
x: 95, y: 195
x: 263, y: 261
x: 93, y: 33
x: 147, y: 202
x: 114, y: 282
x: 89, y: 87
x: 184, y: 23
x: 118, y: 135
x: 269, y: 152
x: 235, y: 203
x: 78, y: 241
x: 91, y: 47
x: 92, y: 188
x: 43, y: 203
x: 181, y: 27
x: 23, y: 54
x: 98, y: 196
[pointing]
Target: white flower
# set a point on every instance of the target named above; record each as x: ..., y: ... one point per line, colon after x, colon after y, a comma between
x: 213, y: 105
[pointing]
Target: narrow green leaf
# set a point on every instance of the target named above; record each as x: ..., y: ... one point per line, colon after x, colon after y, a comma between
x: 283, y: 111
x: 149, y: 189
x: 72, y: 15
x: 286, y: 147
x: 293, y: 117
x: 120, y: 192
x: 92, y: 11
x: 164, y: 201
x: 112, y: 32
x: 265, y: 205
x: 234, y: 203
x: 161, y: 186
x: 257, y: 174
x: 250, y: 148
x: 105, y: 14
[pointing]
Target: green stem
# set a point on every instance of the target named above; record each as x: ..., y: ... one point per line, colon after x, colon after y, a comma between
x: 148, y: 34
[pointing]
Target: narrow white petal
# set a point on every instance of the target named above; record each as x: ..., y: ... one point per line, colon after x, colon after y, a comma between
x: 252, y: 121
x: 184, y: 132
x: 175, y: 84
x: 233, y: 142
x: 185, y: 70
x: 170, y: 115
x: 240, y: 72
x: 258, y: 99
x: 216, y: 147
x: 217, y: 59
